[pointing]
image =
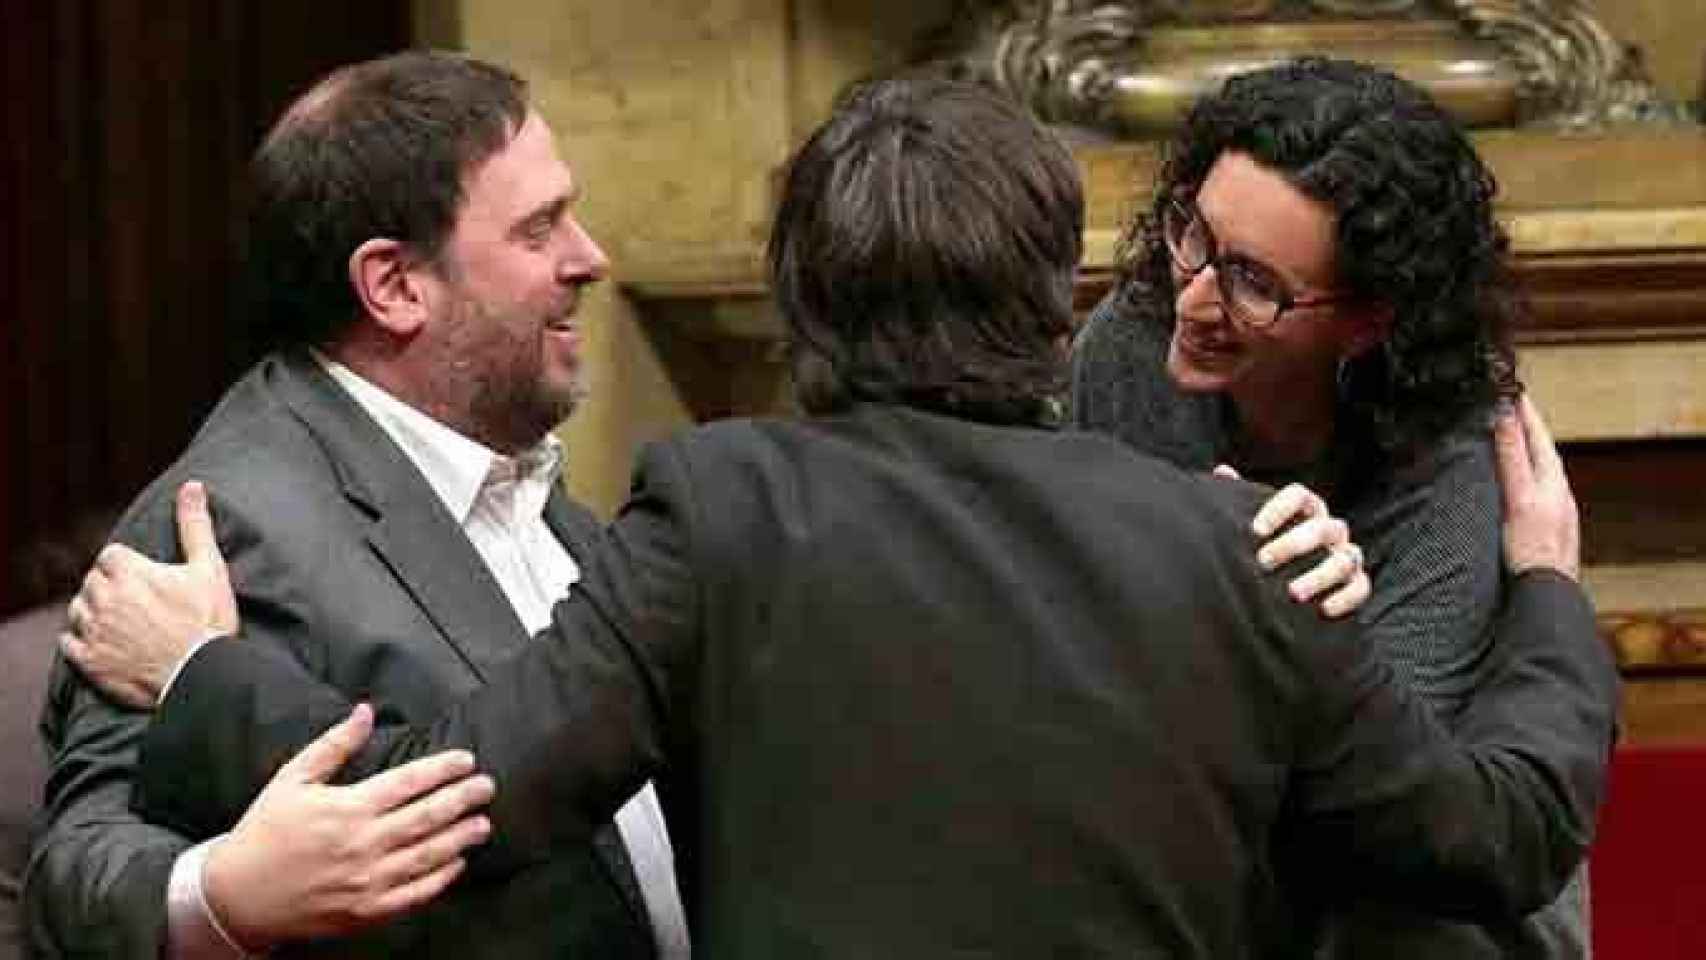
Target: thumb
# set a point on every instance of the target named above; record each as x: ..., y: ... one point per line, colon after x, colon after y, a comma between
x: 317, y: 762
x: 1510, y: 449
x: 195, y: 527
x: 1542, y: 451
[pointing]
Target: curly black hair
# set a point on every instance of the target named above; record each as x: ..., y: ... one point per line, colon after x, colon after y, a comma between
x: 1415, y: 230
x: 923, y: 253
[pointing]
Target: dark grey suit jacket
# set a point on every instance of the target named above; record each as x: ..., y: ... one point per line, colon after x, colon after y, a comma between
x: 934, y: 688
x: 27, y: 644
x: 351, y: 567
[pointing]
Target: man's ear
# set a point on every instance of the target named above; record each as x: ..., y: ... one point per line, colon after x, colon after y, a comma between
x: 1370, y: 325
x: 386, y: 278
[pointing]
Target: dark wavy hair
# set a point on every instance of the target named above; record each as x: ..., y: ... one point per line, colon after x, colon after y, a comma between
x: 374, y: 149
x: 923, y: 252
x: 1416, y: 230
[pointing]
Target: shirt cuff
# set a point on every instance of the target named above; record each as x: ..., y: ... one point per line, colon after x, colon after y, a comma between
x: 192, y: 931
x: 171, y: 678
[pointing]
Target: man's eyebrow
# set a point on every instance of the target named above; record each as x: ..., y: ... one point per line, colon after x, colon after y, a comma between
x: 549, y: 212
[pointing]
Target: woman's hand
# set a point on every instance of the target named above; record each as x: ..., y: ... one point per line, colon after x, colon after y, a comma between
x: 1296, y: 522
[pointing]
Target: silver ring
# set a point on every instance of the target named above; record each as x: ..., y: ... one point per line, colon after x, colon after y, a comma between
x: 1355, y: 554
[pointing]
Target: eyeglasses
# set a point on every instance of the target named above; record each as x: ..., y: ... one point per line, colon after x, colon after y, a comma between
x: 1250, y: 291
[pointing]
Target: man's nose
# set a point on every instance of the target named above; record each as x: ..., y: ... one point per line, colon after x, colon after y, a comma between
x: 584, y: 260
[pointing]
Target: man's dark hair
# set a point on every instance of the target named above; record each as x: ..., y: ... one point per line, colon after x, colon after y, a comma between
x: 923, y: 253
x: 375, y: 149
x: 1415, y: 231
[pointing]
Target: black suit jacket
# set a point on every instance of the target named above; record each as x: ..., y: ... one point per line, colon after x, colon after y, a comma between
x: 938, y: 688
x: 352, y: 568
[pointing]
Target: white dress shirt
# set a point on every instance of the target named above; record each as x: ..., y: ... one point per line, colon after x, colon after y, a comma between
x: 499, y: 502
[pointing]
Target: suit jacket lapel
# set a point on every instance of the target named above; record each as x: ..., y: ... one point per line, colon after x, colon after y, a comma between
x: 411, y: 531
x: 426, y: 549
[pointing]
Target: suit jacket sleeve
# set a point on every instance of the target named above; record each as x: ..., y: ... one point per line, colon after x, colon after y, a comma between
x: 1485, y: 821
x: 569, y: 728
x: 98, y: 872
x: 96, y: 884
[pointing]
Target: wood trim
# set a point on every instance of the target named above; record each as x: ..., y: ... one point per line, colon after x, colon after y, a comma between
x: 1592, y: 297
x: 1667, y: 642
x: 1596, y: 298
x: 1573, y: 298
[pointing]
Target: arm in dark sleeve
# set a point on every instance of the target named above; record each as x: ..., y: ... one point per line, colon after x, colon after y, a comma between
x: 569, y: 728
x: 1485, y: 821
x: 96, y: 884
x: 98, y: 873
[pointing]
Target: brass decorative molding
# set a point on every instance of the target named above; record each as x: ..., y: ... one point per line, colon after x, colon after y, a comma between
x: 1575, y: 74
x: 1130, y: 67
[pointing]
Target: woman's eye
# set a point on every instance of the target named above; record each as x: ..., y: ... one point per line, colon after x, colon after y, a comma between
x: 1256, y: 282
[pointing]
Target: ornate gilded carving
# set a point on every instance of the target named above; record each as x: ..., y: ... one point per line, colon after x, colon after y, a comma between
x: 1097, y: 62
x: 1574, y: 72
x: 1062, y: 57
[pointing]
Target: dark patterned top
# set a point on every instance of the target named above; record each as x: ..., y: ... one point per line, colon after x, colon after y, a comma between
x: 1430, y: 530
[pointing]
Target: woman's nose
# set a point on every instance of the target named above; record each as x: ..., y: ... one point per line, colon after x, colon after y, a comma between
x: 1198, y: 288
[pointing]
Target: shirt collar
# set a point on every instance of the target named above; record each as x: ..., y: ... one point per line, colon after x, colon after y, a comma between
x: 455, y: 466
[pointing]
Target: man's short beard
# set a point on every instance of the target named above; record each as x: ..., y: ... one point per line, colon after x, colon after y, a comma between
x: 517, y: 419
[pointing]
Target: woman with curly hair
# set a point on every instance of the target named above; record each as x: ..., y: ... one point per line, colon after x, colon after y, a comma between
x: 1318, y: 295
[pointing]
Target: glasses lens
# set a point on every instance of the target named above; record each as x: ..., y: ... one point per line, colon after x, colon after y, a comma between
x: 1253, y: 294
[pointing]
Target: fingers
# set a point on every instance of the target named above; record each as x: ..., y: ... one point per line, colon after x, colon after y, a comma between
x: 1316, y: 533
x: 1226, y: 470
x: 400, y: 785
x: 1349, y: 597
x: 83, y: 656
x: 74, y: 649
x: 195, y: 527
x: 1294, y: 502
x: 416, y: 893
x: 434, y: 813
x: 317, y: 762
x: 77, y: 611
x: 115, y: 558
x: 1341, y: 566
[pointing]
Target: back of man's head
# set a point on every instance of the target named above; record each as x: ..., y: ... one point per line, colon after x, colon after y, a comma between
x: 375, y: 149
x: 923, y: 252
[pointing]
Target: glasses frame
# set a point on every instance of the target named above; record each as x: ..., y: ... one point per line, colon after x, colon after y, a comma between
x: 1192, y: 216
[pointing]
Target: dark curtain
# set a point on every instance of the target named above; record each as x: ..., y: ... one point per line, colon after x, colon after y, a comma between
x: 127, y: 125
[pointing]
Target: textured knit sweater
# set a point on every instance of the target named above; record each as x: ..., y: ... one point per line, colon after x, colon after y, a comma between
x: 1430, y: 531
